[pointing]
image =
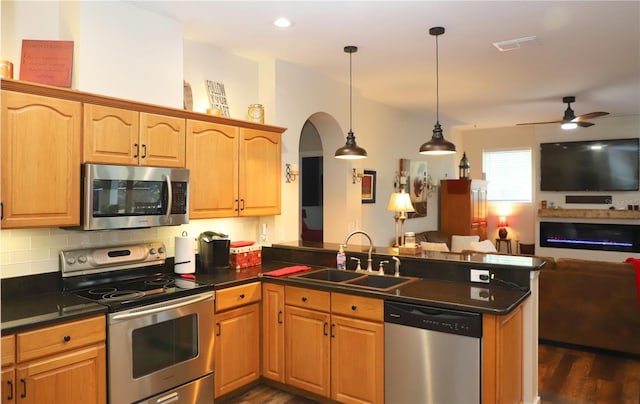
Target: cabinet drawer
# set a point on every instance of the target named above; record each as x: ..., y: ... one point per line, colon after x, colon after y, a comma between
x: 8, y: 346
x: 237, y: 296
x: 365, y: 308
x: 59, y: 338
x: 307, y: 298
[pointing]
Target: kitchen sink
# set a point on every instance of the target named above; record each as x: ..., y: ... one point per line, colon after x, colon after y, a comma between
x: 331, y: 275
x: 380, y: 282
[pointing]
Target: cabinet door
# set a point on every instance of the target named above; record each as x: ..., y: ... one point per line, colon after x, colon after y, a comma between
x: 273, y: 331
x: 8, y: 385
x: 40, y: 161
x: 237, y: 348
x: 307, y: 350
x: 502, y: 357
x: 212, y: 157
x: 162, y: 140
x: 259, y: 172
x: 357, y: 360
x: 111, y: 135
x: 73, y: 377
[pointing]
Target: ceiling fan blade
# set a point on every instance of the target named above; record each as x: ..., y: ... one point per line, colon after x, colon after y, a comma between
x: 588, y: 116
x: 583, y: 124
x: 538, y: 123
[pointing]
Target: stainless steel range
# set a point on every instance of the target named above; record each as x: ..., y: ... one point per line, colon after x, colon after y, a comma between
x: 160, y: 325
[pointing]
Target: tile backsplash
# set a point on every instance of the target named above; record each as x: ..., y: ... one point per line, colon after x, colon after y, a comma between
x: 34, y: 251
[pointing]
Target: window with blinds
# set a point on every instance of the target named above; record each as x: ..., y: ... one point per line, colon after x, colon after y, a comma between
x: 509, y: 175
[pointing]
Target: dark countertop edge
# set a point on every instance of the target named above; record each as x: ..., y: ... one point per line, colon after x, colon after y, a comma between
x: 225, y: 278
x: 525, y: 262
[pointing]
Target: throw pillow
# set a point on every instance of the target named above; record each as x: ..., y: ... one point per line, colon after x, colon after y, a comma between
x: 483, y: 246
x: 461, y: 243
x: 427, y: 246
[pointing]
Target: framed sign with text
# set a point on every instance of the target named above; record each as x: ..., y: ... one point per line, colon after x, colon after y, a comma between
x: 47, y: 62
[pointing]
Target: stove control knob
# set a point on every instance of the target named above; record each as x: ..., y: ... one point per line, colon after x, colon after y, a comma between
x: 82, y: 259
x: 152, y: 251
x: 161, y: 250
x: 71, y: 260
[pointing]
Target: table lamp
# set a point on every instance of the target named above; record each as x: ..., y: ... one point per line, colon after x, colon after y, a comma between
x: 502, y: 224
x: 400, y: 203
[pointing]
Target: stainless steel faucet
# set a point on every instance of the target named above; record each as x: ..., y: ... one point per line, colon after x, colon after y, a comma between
x: 369, y: 261
x: 397, y: 260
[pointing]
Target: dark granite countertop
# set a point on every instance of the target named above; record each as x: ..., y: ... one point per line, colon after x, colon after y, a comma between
x: 21, y: 313
x: 24, y: 308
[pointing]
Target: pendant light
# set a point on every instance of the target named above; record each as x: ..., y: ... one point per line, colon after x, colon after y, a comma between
x: 350, y: 150
x: 437, y: 145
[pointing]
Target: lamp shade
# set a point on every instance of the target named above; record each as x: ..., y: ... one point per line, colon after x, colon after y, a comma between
x: 502, y: 221
x: 402, y: 203
x: 392, y: 202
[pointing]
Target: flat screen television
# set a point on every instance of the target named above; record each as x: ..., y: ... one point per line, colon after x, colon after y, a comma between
x: 593, y: 165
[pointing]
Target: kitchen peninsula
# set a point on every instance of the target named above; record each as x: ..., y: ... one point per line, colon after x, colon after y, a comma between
x: 258, y: 315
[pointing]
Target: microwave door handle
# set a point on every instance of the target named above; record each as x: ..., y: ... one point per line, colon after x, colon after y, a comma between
x: 169, y: 197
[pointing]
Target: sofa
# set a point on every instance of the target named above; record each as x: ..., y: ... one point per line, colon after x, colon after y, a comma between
x: 590, y: 303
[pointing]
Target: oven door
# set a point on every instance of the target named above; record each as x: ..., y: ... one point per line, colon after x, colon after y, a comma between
x: 158, y: 347
x: 118, y: 197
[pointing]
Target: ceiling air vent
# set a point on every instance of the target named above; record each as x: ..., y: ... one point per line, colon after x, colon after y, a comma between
x: 512, y: 44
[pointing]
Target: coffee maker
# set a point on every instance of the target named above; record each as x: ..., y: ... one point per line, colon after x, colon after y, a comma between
x: 213, y: 251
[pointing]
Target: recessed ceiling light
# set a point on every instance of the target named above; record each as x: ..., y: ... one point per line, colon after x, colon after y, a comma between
x: 282, y: 23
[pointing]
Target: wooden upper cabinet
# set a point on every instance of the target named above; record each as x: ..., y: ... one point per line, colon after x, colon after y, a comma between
x: 233, y: 171
x: 260, y: 155
x: 163, y: 140
x: 121, y: 136
x: 41, y: 155
x: 212, y: 158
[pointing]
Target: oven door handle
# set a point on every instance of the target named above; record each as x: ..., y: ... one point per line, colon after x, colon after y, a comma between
x: 145, y: 312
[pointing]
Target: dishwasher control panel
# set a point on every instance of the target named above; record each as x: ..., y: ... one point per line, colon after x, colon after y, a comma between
x: 434, y: 318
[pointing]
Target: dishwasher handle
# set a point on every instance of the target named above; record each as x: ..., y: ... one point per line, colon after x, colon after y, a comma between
x: 434, y: 318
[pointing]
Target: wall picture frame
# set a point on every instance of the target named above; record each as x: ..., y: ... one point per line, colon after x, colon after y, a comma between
x: 369, y: 186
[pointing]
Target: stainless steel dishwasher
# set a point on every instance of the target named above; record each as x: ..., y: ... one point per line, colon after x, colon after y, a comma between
x: 432, y: 355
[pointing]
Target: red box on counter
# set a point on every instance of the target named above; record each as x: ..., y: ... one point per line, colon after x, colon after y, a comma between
x: 243, y: 257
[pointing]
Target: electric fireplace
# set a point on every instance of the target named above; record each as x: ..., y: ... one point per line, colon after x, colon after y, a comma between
x: 590, y: 236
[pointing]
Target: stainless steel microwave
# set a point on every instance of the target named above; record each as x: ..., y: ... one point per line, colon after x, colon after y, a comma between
x: 125, y: 197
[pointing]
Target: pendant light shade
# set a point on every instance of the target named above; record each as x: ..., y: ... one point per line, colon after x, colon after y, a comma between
x: 350, y: 150
x: 437, y: 144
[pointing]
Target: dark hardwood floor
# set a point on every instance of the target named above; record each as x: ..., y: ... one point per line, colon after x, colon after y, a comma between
x: 565, y: 376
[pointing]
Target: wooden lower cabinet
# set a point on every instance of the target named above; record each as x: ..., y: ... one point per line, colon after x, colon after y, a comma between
x: 357, y: 360
x: 64, y: 363
x: 72, y: 377
x: 237, y: 348
x: 334, y: 345
x: 502, y: 357
x: 273, y: 331
x: 307, y: 350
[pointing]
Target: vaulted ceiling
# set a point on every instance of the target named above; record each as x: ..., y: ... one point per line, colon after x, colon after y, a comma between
x: 588, y: 49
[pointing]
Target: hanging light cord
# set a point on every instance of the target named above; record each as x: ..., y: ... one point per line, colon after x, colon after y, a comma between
x: 350, y: 95
x: 437, y: 84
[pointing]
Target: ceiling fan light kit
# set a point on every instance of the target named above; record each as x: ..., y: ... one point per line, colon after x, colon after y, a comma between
x: 350, y: 150
x: 437, y: 145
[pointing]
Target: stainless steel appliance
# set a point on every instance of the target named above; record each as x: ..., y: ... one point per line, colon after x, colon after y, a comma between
x: 120, y: 197
x: 432, y: 355
x: 160, y: 325
x: 213, y: 251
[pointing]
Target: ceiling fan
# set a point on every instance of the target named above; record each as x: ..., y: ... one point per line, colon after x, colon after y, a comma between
x: 570, y: 120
